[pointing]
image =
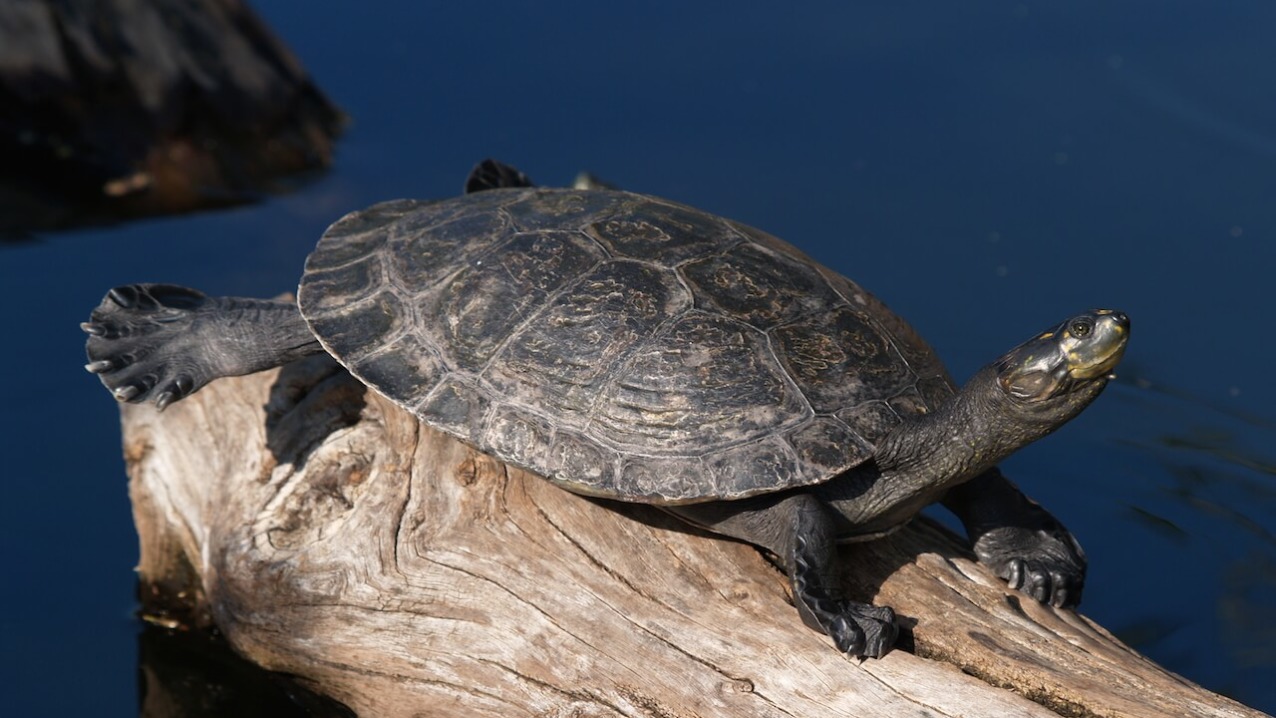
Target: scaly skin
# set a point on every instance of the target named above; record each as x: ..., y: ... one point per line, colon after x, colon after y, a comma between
x: 161, y: 343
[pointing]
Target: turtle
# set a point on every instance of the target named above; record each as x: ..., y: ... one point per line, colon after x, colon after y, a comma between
x: 630, y: 347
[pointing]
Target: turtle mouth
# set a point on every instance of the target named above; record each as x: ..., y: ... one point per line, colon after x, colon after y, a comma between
x: 1094, y: 352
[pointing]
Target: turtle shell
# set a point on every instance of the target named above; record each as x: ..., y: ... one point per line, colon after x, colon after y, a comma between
x: 618, y: 344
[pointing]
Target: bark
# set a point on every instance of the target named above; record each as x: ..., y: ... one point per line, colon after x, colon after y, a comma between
x: 332, y: 537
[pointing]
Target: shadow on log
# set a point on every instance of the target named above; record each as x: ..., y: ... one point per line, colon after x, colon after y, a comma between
x: 112, y: 109
x: 332, y: 537
x: 192, y: 675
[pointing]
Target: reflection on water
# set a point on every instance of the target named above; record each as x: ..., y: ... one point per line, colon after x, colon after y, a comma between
x: 1191, y: 113
x: 1213, y: 502
x: 1158, y: 524
x: 1221, y: 446
x: 1191, y: 403
x: 1213, y: 452
x: 1143, y: 632
x: 1245, y: 610
x: 1193, y: 482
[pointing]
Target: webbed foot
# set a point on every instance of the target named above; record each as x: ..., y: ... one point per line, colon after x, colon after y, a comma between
x: 1020, y: 541
x: 1048, y: 565
x: 142, y: 342
x: 161, y: 343
x: 858, y: 629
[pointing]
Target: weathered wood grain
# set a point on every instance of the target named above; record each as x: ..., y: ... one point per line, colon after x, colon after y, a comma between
x: 332, y: 537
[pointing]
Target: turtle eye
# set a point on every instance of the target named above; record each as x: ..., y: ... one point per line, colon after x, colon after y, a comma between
x: 1081, y: 328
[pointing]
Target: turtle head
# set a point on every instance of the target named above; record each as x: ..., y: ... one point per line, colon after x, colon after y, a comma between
x: 1065, y: 367
x: 1029, y: 392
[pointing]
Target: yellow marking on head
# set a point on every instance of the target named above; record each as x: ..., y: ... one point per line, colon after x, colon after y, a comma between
x: 1047, y: 335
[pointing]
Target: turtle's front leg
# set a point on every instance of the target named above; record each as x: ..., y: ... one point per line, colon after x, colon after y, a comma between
x: 163, y: 342
x: 1020, y: 541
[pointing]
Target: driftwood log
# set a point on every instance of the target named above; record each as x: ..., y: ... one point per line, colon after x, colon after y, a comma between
x: 332, y: 537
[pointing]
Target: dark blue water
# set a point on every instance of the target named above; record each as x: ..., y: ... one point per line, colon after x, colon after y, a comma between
x: 986, y: 169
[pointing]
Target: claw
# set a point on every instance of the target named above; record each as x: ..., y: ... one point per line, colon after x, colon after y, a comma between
x: 164, y: 399
x: 98, y: 367
x: 1041, y: 593
x: 126, y: 392
x: 96, y: 330
x: 1037, y: 585
x: 847, y: 636
x: 1016, y: 577
x: 1060, y: 598
x: 124, y: 297
x: 878, y: 646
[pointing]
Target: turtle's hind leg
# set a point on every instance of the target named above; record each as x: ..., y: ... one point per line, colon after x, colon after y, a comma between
x: 161, y: 342
x: 490, y: 174
x: 801, y: 531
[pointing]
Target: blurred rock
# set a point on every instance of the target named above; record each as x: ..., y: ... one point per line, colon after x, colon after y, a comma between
x: 114, y: 109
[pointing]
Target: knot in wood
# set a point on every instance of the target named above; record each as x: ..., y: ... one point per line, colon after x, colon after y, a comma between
x: 467, y: 471
x: 736, y: 685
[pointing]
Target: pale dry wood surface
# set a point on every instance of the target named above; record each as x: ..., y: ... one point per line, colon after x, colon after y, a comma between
x: 332, y: 537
